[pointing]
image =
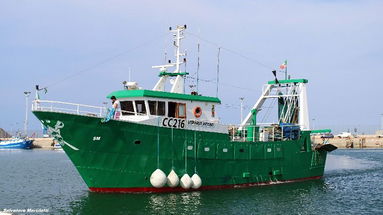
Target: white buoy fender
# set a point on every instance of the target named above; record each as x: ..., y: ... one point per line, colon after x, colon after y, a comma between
x: 186, y: 181
x: 197, y: 182
x: 158, y: 178
x: 173, y: 179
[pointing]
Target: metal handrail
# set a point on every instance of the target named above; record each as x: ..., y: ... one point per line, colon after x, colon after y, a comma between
x: 273, y: 135
x: 54, y: 106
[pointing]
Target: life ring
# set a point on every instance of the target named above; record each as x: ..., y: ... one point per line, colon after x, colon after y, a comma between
x: 197, y: 111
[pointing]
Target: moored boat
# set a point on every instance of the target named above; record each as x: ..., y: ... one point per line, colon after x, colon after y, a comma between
x: 16, y: 143
x: 167, y: 141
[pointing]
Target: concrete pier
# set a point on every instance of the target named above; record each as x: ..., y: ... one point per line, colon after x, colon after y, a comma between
x: 43, y: 143
x: 360, y: 141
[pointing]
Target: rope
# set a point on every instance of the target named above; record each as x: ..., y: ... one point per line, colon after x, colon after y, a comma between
x: 186, y: 162
x: 158, y: 143
x: 172, y: 149
x: 267, y: 114
x: 195, y: 152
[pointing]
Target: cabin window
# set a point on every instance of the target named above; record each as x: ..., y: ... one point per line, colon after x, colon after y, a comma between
x: 157, y: 108
x: 161, y: 108
x: 181, y: 113
x: 153, y: 107
x: 140, y: 107
x: 127, y: 108
x: 172, y: 109
x: 177, y: 110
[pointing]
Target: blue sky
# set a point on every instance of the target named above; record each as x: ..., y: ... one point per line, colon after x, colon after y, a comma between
x: 337, y: 45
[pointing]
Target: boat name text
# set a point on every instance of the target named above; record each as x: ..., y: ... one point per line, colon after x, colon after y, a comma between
x: 199, y: 123
x: 173, y: 123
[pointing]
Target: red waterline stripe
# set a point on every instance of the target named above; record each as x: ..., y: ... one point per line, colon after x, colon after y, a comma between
x: 180, y: 189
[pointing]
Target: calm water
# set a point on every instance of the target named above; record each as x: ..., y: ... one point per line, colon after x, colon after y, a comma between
x: 36, y: 179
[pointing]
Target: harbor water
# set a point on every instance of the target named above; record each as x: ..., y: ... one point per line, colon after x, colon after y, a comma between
x: 46, y: 182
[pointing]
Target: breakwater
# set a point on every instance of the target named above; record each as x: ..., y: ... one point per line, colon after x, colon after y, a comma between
x: 359, y: 141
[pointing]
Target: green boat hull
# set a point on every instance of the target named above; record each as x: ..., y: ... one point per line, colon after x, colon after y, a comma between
x: 120, y: 156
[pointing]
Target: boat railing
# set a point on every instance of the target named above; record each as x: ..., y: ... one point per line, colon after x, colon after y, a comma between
x: 67, y: 107
x: 264, y: 133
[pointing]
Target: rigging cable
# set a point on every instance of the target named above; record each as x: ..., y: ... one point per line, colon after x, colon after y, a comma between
x: 219, y: 51
x: 231, y: 51
x: 106, y: 60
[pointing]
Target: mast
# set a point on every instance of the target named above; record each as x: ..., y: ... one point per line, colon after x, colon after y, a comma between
x: 178, y: 83
x: 26, y: 113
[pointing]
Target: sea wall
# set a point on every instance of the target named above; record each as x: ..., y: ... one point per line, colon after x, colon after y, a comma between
x: 360, y: 141
x: 43, y: 143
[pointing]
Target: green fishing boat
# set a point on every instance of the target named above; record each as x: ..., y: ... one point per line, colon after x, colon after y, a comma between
x: 168, y: 141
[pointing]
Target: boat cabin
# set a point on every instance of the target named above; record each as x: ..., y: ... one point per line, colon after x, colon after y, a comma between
x: 142, y: 105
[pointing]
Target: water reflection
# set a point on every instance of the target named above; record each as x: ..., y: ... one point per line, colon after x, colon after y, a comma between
x: 345, y: 162
x: 348, y: 182
x: 174, y: 203
x: 231, y: 201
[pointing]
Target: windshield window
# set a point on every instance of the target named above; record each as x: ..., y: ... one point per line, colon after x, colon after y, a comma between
x: 140, y: 107
x: 157, y: 108
x: 127, y: 108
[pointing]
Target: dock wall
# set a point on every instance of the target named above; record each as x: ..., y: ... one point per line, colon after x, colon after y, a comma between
x: 360, y: 141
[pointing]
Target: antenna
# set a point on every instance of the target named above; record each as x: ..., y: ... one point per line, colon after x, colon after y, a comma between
x: 285, y: 69
x: 130, y: 71
x: 198, y: 67
x: 241, y: 98
x: 219, y: 52
x: 184, y: 60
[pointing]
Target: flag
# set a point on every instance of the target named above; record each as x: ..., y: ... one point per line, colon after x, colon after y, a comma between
x: 284, y: 65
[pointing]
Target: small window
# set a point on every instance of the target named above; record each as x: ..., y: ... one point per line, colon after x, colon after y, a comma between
x: 153, y: 107
x: 157, y: 108
x: 177, y: 110
x: 172, y: 109
x: 181, y: 113
x: 127, y: 108
x: 161, y: 109
x: 140, y: 107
